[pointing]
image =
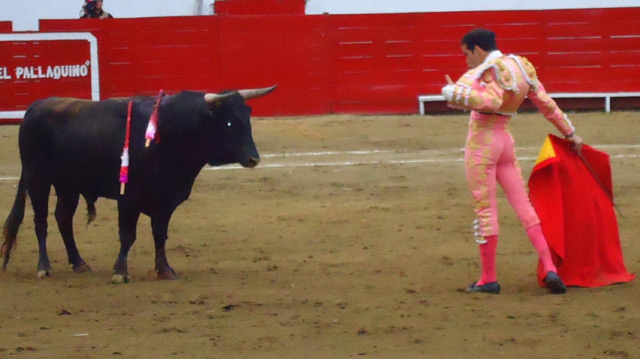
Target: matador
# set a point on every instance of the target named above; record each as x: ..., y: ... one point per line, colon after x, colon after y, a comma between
x: 493, y: 89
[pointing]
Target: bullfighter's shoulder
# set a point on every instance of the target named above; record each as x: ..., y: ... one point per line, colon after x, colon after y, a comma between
x: 502, y: 74
x: 527, y: 68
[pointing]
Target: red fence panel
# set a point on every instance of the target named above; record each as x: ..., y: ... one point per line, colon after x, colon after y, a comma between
x: 6, y: 26
x: 259, y: 7
x: 142, y: 56
x: 374, y: 62
x: 290, y: 51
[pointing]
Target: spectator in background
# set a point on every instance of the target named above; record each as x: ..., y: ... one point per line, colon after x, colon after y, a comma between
x: 92, y: 9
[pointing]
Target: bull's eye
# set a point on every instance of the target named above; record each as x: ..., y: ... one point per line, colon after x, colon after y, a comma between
x: 229, y: 124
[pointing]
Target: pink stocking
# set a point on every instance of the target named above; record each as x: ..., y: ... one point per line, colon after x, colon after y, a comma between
x: 488, y: 256
x: 540, y: 244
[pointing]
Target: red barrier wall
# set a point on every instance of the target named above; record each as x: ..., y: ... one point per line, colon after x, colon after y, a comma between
x: 6, y: 26
x: 142, y: 56
x: 259, y: 7
x: 355, y: 63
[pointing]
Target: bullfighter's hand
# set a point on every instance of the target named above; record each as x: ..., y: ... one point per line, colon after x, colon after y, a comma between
x: 576, y: 143
x: 448, y: 78
x: 447, y: 91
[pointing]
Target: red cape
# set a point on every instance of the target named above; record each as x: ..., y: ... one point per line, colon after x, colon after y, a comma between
x: 577, y: 216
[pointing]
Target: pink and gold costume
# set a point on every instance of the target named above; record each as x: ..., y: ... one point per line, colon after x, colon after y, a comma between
x: 493, y: 92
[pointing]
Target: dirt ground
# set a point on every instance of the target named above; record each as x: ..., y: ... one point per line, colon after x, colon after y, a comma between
x: 351, y: 239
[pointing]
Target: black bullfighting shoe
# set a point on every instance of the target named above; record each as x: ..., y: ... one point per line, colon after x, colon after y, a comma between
x: 490, y: 288
x: 554, y: 283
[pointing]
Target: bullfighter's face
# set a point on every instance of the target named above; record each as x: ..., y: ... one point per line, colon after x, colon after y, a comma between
x: 474, y: 57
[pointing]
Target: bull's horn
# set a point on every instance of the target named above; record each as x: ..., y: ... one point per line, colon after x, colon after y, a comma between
x: 213, y: 97
x: 253, y: 93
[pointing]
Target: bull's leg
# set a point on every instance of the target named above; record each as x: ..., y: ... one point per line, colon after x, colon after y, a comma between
x: 127, y: 221
x: 159, y: 227
x: 40, y: 201
x: 65, y: 209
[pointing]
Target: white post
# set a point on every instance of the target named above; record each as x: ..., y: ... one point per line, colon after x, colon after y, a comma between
x: 197, y: 8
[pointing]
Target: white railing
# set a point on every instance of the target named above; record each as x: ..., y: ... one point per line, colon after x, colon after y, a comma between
x: 606, y: 95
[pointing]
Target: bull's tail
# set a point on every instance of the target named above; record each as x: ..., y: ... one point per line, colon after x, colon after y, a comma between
x: 12, y: 224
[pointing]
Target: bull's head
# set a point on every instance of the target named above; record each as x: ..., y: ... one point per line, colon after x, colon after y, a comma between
x: 232, y: 127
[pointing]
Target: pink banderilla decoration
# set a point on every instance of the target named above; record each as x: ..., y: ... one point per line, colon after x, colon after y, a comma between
x: 152, y: 127
x: 124, y: 159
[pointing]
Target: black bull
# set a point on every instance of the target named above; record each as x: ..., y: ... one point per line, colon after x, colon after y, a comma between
x: 75, y: 146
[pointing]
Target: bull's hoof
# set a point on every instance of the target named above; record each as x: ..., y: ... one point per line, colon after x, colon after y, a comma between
x: 42, y: 274
x: 120, y: 279
x: 167, y: 275
x: 82, y: 268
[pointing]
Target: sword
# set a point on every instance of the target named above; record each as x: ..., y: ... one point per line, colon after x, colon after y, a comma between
x: 595, y: 177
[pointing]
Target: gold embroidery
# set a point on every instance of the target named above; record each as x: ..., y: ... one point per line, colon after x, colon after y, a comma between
x: 479, y: 145
x: 504, y: 75
x: 529, y: 71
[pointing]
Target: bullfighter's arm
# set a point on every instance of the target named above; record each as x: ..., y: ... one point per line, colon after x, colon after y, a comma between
x: 548, y: 107
x: 484, y: 94
x: 541, y: 99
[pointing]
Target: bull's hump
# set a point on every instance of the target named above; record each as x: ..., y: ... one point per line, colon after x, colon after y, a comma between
x: 70, y: 106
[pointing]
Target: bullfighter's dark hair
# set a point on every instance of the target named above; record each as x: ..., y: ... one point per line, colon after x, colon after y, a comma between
x: 483, y: 38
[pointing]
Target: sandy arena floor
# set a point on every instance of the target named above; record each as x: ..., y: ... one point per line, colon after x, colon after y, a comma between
x: 351, y: 239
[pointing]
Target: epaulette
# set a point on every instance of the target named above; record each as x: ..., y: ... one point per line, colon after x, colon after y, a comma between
x: 528, y: 70
x: 504, y: 76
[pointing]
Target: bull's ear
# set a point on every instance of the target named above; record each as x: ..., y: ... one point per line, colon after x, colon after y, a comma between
x: 253, y: 93
x: 215, y: 99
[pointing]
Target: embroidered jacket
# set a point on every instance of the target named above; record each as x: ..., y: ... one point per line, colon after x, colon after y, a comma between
x: 499, y: 86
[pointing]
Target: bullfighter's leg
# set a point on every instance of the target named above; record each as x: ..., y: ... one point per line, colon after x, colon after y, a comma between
x: 127, y: 221
x: 483, y: 186
x: 509, y: 176
x: 39, y: 195
x: 65, y: 209
x: 480, y: 157
x: 159, y: 227
x: 481, y: 153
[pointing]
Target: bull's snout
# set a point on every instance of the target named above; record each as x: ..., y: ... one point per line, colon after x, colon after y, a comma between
x: 252, y: 162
